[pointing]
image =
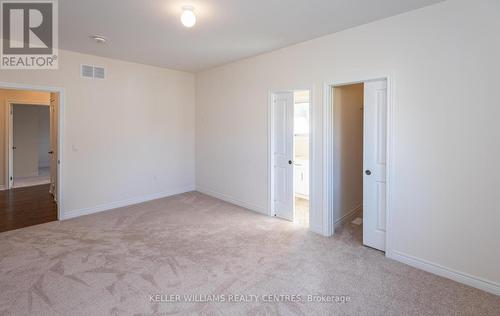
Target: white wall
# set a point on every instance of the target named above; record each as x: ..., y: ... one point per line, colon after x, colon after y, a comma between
x: 25, y: 139
x: 43, y: 137
x: 444, y: 62
x: 130, y: 136
x: 348, y: 150
x: 31, y: 136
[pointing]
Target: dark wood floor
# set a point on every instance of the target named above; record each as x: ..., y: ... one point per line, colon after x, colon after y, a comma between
x: 24, y: 207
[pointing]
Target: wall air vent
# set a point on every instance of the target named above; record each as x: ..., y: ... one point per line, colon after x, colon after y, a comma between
x: 87, y: 71
x: 92, y: 72
x: 99, y: 73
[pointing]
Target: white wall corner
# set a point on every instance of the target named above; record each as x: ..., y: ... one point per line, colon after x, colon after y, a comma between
x: 117, y: 204
x: 233, y: 200
x: 348, y: 216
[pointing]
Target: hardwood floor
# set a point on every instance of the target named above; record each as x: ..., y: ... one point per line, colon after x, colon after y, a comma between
x: 27, y: 206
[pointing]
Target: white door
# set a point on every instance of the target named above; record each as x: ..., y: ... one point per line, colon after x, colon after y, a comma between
x: 283, y: 155
x: 374, y: 161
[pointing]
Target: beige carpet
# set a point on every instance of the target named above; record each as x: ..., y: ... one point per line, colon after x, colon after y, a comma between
x: 191, y: 244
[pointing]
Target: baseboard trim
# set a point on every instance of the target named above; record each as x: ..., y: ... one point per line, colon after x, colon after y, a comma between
x: 348, y: 216
x: 464, y: 278
x: 233, y: 200
x: 123, y: 203
x: 3, y: 187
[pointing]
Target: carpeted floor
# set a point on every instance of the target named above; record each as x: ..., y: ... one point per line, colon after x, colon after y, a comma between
x: 191, y: 244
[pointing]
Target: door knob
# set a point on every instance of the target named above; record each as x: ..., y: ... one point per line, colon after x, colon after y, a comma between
x: 368, y: 172
x: 51, y: 152
x: 290, y: 162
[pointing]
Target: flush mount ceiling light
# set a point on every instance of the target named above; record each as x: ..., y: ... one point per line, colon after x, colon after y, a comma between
x: 99, y: 39
x: 188, y: 18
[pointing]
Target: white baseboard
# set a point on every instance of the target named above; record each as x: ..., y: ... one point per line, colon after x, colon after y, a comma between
x: 464, y: 278
x: 235, y: 201
x: 122, y: 203
x: 348, y: 216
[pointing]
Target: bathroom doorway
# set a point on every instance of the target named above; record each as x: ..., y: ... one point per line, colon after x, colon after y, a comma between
x: 301, y: 141
x: 290, y: 155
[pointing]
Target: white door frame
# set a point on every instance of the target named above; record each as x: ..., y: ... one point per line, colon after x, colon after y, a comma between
x: 328, y: 143
x: 60, y: 124
x: 270, y: 130
x: 9, y: 109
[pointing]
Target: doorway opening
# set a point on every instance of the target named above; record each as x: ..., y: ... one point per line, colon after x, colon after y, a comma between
x: 357, y: 159
x: 290, y: 152
x: 30, y: 182
x: 30, y: 145
x: 348, y: 112
x: 301, y: 141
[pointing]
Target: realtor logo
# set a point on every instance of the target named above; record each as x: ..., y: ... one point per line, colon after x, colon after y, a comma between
x: 29, y: 34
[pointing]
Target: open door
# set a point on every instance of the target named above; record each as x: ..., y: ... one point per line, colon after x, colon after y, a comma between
x: 374, y: 161
x: 54, y: 141
x: 283, y: 155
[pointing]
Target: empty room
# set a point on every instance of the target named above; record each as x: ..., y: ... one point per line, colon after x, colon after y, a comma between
x: 231, y: 157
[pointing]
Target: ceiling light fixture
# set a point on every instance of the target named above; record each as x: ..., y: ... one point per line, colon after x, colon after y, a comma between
x: 188, y: 18
x: 99, y: 39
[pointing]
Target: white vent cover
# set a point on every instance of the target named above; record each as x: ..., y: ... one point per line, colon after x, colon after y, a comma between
x: 99, y: 72
x: 87, y: 71
x: 93, y: 72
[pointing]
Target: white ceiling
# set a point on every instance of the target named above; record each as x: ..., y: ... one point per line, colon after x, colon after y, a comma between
x: 149, y: 31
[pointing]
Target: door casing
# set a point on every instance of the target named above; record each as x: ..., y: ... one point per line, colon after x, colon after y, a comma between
x: 60, y: 138
x: 54, y: 113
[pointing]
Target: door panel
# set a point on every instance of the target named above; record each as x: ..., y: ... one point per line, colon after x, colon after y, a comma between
x: 283, y: 154
x: 374, y: 181
x: 381, y: 206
